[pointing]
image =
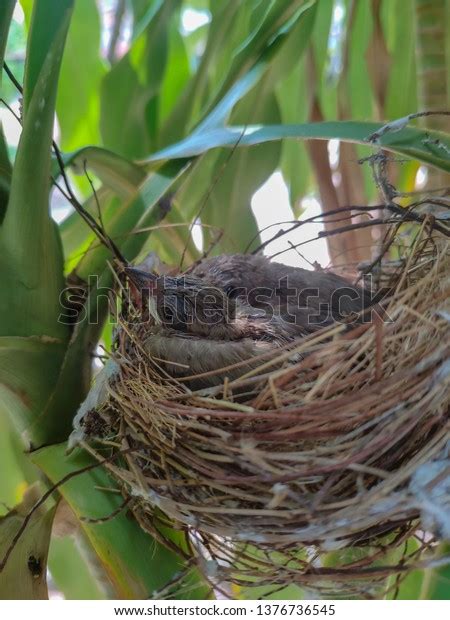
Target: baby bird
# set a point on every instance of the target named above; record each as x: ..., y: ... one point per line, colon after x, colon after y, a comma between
x: 232, y: 309
x: 307, y: 299
x: 195, y: 328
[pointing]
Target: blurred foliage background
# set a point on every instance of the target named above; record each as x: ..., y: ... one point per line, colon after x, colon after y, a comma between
x: 160, y: 100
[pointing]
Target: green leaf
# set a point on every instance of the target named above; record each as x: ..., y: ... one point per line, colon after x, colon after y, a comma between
x: 171, y: 241
x: 186, y: 111
x: 130, y: 91
x: 412, y: 142
x: 140, y: 211
x: 76, y: 235
x: 176, y: 76
x: 239, y: 177
x: 78, y: 103
x: 292, y: 94
x: 70, y: 572
x: 136, y: 564
x: 360, y: 92
x: 399, y: 26
x: 25, y: 574
x: 116, y: 172
x: 401, y: 586
x: 18, y: 471
x: 143, y: 14
x: 436, y: 583
x: 279, y: 19
x: 321, y: 37
x: 267, y: 60
x: 49, y: 22
x: 29, y: 369
x: 6, y: 12
x: 31, y: 254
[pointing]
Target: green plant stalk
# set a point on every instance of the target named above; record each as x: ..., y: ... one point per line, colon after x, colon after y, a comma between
x: 32, y: 261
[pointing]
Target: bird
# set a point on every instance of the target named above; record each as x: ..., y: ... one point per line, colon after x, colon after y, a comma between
x: 217, y: 319
x: 192, y: 328
x: 309, y: 299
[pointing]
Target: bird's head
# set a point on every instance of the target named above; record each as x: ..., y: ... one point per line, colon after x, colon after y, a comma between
x: 183, y: 303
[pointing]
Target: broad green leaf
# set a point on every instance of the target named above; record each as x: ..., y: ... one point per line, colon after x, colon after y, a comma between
x: 130, y: 91
x: 268, y: 60
x: 361, y: 97
x: 250, y: 61
x: 196, y: 185
x: 409, y: 586
x: 176, y: 76
x: 6, y: 11
x: 231, y: 189
x: 143, y: 12
x: 48, y: 19
x: 269, y: 593
x: 356, y: 181
x: 14, y: 463
x: 238, y: 177
x: 294, y: 105
x: 293, y: 44
x: 415, y: 143
x: 116, y: 172
x: 140, y: 211
x: 321, y: 38
x: 277, y: 23
x: 70, y: 571
x: 25, y: 575
x: 29, y: 368
x: 78, y: 103
x: 136, y: 564
x: 27, y: 7
x: 400, y: 586
x: 185, y: 113
x: 76, y: 236
x: 436, y: 583
x: 173, y: 239
x: 398, y: 26
x: 31, y: 254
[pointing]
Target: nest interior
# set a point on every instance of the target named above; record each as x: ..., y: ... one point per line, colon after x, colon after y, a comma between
x: 328, y: 452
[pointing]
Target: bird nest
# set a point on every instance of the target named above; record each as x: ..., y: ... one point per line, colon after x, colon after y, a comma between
x: 334, y: 442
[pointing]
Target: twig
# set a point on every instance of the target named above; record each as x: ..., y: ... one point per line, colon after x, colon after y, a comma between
x: 94, y: 192
x: 107, y: 518
x: 298, y: 223
x: 69, y: 194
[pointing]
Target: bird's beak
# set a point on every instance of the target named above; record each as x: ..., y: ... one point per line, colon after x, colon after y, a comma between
x: 142, y: 281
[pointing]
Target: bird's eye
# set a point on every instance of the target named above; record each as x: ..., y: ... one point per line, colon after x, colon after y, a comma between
x: 168, y: 314
x: 172, y: 311
x: 231, y: 291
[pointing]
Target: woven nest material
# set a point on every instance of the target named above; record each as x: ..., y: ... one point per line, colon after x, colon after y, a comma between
x: 342, y: 449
